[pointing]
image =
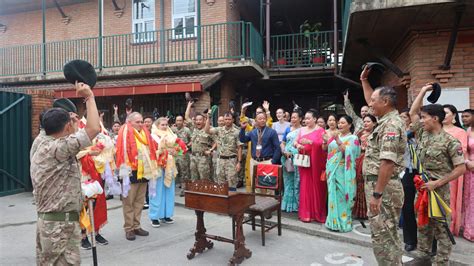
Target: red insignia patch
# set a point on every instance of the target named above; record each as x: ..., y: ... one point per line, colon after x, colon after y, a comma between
x: 390, y: 136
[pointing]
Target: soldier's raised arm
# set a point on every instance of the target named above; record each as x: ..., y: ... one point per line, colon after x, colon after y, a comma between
x: 364, y: 79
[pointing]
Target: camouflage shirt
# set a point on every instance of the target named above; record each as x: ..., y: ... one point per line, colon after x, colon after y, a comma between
x: 200, y: 141
x: 438, y: 153
x: 227, y: 140
x: 387, y: 142
x: 183, y: 133
x: 55, y: 172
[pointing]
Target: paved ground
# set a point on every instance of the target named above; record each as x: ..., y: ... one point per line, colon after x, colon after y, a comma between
x: 300, y: 244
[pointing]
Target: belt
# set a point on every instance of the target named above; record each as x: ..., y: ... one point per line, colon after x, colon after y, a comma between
x: 373, y: 178
x: 199, y: 153
x: 262, y: 159
x: 228, y: 157
x: 59, y: 216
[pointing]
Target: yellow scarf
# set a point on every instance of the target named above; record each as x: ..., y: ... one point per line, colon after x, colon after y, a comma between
x: 167, y: 140
x: 146, y: 167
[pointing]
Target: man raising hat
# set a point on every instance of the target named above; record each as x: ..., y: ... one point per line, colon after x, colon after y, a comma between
x: 56, y: 181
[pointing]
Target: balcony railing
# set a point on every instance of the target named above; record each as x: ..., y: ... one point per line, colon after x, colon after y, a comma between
x: 303, y: 50
x: 207, y: 43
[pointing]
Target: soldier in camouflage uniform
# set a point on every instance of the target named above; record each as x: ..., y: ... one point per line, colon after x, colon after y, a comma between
x: 201, y: 148
x: 442, y: 158
x: 229, y: 149
x: 56, y: 180
x: 182, y: 162
x: 381, y: 168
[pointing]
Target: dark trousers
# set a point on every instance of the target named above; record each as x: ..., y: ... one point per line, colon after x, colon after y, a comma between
x: 408, y: 210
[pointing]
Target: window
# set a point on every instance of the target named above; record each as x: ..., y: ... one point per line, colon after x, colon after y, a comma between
x: 184, y: 18
x: 143, y: 21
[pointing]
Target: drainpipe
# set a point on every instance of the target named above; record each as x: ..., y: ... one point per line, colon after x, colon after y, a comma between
x: 452, y: 41
x: 261, y: 16
x: 199, y: 27
x: 43, y: 46
x: 162, y: 31
x: 267, y: 33
x: 336, y: 45
x: 101, y: 20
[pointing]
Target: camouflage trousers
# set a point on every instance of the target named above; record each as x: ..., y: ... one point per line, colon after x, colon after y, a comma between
x: 183, y: 166
x: 57, y: 243
x: 241, y: 173
x: 201, y: 167
x: 226, y: 172
x: 436, y: 230
x: 385, y: 239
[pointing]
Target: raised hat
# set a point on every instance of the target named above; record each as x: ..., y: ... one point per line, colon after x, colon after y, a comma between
x: 66, y: 104
x: 434, y: 96
x: 374, y: 66
x: 81, y: 71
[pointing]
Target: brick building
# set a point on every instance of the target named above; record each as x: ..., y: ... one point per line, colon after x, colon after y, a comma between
x: 220, y: 50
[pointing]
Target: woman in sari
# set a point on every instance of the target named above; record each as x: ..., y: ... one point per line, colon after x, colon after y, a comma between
x: 452, y: 125
x: 291, y: 180
x: 360, y: 205
x: 343, y: 151
x: 161, y: 190
x: 468, y: 199
x: 313, y: 190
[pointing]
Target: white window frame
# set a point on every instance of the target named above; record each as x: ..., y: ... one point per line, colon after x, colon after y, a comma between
x: 183, y: 16
x: 147, y: 35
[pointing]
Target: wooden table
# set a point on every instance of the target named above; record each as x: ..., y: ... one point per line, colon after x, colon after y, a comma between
x: 205, y: 196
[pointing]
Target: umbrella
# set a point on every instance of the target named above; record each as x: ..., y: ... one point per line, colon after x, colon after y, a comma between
x: 429, y: 201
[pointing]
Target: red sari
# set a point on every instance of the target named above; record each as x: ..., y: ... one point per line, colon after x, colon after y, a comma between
x: 313, y: 191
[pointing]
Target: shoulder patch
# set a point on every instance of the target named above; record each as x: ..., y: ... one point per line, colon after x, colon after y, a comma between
x: 390, y: 136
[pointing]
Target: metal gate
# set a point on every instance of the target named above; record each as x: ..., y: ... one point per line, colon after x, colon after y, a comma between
x: 15, y: 140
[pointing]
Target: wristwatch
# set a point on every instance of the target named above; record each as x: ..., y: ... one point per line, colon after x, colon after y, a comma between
x: 377, y: 195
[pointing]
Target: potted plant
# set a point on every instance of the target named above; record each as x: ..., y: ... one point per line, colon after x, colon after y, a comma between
x: 316, y: 50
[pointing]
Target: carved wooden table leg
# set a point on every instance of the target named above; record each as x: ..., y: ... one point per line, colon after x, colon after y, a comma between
x: 201, y: 241
x: 240, y: 251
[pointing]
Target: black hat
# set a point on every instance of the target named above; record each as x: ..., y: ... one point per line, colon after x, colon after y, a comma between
x: 81, y: 71
x: 66, y: 104
x: 374, y: 66
x: 434, y: 96
x: 129, y: 103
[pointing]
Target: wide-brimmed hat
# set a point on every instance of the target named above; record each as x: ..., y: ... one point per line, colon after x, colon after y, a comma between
x: 435, y: 94
x: 81, y: 71
x: 66, y: 104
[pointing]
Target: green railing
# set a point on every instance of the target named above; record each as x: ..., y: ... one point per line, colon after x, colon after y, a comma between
x: 217, y: 42
x: 302, y: 50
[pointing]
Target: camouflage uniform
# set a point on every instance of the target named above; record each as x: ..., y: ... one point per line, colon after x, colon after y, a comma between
x: 56, y: 182
x: 358, y: 122
x: 387, y: 142
x: 182, y: 162
x: 201, y: 164
x: 439, y: 154
x: 227, y: 148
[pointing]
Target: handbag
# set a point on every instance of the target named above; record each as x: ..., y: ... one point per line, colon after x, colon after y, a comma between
x: 290, y: 168
x: 302, y: 160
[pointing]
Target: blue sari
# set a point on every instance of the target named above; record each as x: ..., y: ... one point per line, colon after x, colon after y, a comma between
x: 341, y: 180
x: 291, y: 180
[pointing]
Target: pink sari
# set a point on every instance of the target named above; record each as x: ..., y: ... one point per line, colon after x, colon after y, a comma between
x: 468, y: 199
x: 456, y: 186
x: 313, y: 191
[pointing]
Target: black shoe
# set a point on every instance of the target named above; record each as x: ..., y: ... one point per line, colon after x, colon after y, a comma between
x: 155, y: 223
x: 146, y: 206
x: 85, y: 244
x: 169, y: 221
x: 409, y: 247
x: 101, y: 240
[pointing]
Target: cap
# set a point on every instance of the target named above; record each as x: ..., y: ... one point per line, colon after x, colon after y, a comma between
x: 81, y: 71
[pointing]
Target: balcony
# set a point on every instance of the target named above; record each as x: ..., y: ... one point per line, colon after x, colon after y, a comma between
x: 300, y: 50
x: 223, y: 42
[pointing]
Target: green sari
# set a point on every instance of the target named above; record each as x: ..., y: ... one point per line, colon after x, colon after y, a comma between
x: 341, y: 180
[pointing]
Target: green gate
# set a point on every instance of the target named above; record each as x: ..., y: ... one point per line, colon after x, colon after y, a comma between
x: 15, y: 140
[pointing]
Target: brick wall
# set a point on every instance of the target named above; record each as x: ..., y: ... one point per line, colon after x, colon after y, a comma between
x: 40, y: 101
x: 421, y: 55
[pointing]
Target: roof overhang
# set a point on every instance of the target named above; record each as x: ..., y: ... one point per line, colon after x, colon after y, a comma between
x: 384, y: 26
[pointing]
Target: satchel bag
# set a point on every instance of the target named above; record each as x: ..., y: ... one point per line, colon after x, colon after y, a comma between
x: 290, y: 168
x: 302, y: 160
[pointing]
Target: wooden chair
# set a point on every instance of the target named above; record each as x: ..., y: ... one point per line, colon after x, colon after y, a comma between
x: 265, y: 204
